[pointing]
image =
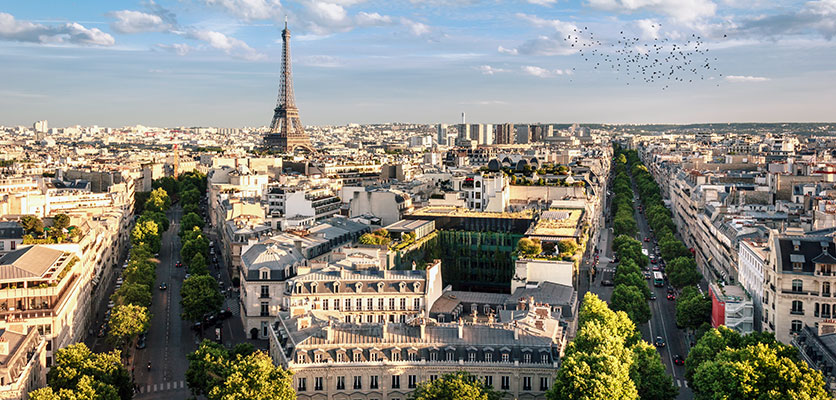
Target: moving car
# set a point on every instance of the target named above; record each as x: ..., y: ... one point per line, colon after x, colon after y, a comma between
x: 671, y: 296
x: 224, y: 314
x: 659, y: 342
x: 652, y: 296
x: 163, y: 286
x: 178, y: 264
x: 647, y: 239
x: 678, y: 360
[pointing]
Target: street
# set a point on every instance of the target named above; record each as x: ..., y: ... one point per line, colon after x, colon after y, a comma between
x: 663, y: 312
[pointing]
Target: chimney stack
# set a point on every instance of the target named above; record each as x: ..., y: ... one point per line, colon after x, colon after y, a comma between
x: 516, y: 331
x: 461, y: 328
x: 423, y: 328
x: 386, y: 329
x: 329, y: 332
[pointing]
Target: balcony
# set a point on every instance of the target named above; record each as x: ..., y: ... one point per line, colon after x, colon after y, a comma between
x: 797, y: 312
x: 825, y: 273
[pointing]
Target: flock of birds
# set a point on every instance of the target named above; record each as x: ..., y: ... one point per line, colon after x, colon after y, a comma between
x: 659, y: 60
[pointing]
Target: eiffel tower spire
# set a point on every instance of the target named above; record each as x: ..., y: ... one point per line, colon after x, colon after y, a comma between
x: 286, y: 131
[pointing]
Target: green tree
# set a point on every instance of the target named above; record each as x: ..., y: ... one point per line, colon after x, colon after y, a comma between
x: 455, y: 386
x: 190, y: 196
x: 60, y: 222
x: 529, y: 247
x: 633, y: 279
x: 648, y: 373
x: 105, y: 372
x: 567, y: 247
x: 193, y: 247
x: 32, y: 225
x: 159, y: 217
x: 595, y: 309
x: 146, y: 233
x: 159, y: 200
x: 190, y: 208
x: 757, y: 371
x: 692, y: 308
x: 87, y: 389
x: 128, y: 321
x: 596, y: 366
x: 199, y: 296
x: 133, y: 293
x: 197, y: 265
x: 626, y: 267
x: 254, y: 377
x: 207, y: 367
x: 142, y: 272
x: 682, y: 271
x: 189, y: 221
x: 168, y: 184
x: 632, y: 301
x: 715, y: 341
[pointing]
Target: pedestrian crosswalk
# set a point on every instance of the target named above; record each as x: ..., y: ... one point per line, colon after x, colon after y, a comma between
x: 681, y: 383
x: 162, y: 387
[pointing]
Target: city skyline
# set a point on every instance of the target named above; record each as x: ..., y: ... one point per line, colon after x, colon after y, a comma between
x: 217, y: 63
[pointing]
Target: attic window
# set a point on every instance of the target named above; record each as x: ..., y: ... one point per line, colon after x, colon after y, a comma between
x: 265, y: 274
x: 796, y: 244
x: 380, y: 286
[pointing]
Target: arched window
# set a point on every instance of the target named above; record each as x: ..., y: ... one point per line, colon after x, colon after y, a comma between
x: 825, y: 289
x: 797, y: 285
x: 796, y: 326
x: 825, y: 310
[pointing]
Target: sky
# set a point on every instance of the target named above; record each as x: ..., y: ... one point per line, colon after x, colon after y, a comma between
x: 217, y: 62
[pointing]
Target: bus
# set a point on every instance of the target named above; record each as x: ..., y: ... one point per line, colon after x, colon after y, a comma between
x: 658, y: 279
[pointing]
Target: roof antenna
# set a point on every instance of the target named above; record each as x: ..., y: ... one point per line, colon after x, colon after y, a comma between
x: 285, y: 21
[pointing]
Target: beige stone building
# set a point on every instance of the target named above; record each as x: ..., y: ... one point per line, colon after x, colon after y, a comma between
x: 517, y: 354
x: 800, y: 280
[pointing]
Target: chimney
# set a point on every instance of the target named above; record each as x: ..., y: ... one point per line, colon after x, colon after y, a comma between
x: 4, y: 347
x: 423, y: 328
x: 461, y: 328
x: 386, y: 329
x: 516, y: 331
x: 297, y: 243
x: 329, y: 332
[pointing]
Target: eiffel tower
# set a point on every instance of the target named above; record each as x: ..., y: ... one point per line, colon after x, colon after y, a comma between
x: 286, y: 132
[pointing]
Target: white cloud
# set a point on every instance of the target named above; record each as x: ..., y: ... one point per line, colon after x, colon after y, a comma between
x: 129, y: 21
x: 68, y: 33
x: 371, y: 19
x: 180, y: 49
x: 512, y: 52
x: 679, y: 10
x: 745, y: 78
x: 555, y: 44
x: 250, y: 9
x: 488, y: 70
x: 229, y: 45
x: 544, y: 73
x: 415, y: 27
x: 542, y: 2
x: 813, y: 17
x: 649, y: 28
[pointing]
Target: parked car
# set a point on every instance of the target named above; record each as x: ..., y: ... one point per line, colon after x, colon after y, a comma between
x: 197, y: 326
x: 678, y: 360
x: 140, y: 344
x: 209, y: 319
x: 224, y: 314
x: 659, y: 342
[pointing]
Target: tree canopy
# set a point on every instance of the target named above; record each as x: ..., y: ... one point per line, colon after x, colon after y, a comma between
x: 79, y: 373
x: 199, y: 296
x: 455, y: 386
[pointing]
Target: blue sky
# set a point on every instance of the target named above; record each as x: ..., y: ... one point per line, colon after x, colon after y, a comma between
x: 216, y: 62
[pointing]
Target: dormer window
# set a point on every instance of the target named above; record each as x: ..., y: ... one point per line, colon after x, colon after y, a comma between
x: 380, y: 286
x: 264, y: 274
x: 336, y: 287
x: 359, y: 287
x: 416, y: 286
x: 313, y: 287
x: 402, y: 286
